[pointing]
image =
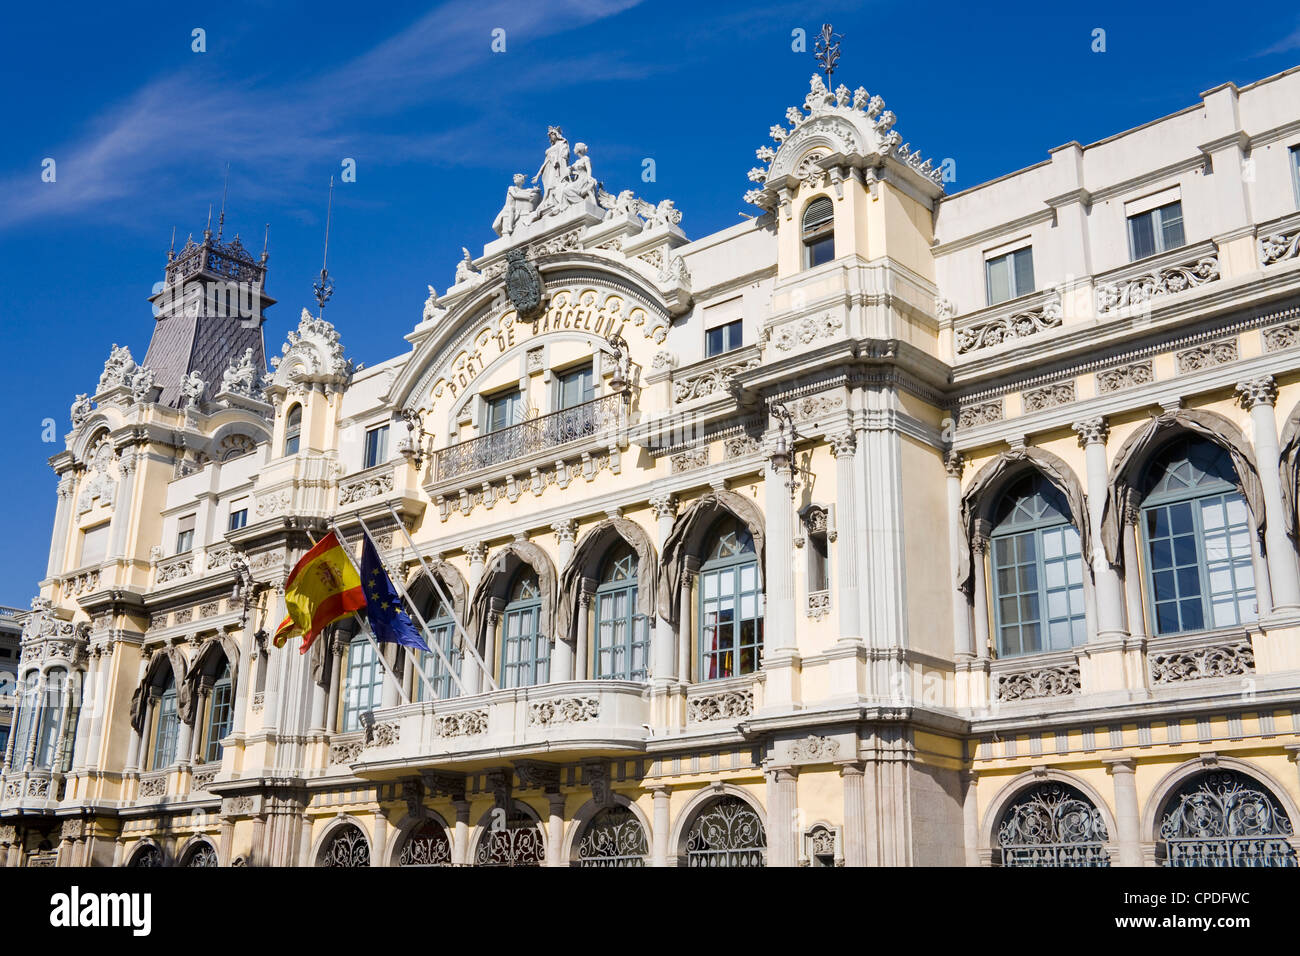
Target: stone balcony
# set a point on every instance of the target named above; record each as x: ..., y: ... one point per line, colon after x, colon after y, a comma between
x: 605, y: 717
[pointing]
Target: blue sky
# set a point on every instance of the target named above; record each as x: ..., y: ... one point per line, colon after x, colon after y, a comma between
x: 141, y: 128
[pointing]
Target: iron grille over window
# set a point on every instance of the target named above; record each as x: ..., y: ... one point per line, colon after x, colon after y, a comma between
x: 614, y: 837
x: 1225, y: 818
x: 518, y: 843
x: 1053, y: 825
x: 727, y: 833
x: 347, y: 847
x: 427, y: 846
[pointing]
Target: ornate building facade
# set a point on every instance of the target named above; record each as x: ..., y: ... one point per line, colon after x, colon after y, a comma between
x: 889, y: 527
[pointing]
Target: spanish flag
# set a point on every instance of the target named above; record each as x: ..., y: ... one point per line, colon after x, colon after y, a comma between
x: 323, y: 587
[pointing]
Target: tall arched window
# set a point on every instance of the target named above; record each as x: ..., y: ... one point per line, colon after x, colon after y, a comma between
x: 818, y: 232
x: 1052, y: 824
x: 727, y: 833
x: 219, y: 713
x: 293, y: 430
x: 1037, y: 571
x: 27, y: 707
x: 363, y: 681
x: 614, y: 838
x: 428, y: 845
x: 346, y: 847
x: 730, y: 604
x: 1196, y: 531
x: 1225, y: 818
x: 515, y: 842
x: 50, y: 744
x: 168, y: 725
x: 525, y: 651
x: 442, y: 630
x: 622, y: 635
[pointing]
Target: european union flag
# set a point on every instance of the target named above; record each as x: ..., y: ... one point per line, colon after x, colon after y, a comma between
x: 383, y: 609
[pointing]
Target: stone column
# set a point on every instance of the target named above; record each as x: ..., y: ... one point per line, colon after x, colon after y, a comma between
x: 855, y: 813
x: 1258, y: 396
x: 582, y: 667
x: 243, y: 679
x: 844, y: 445
x: 275, y: 663
x: 685, y: 660
x: 29, y: 758
x: 119, y: 528
x: 978, y: 547
x: 471, y: 673
x: 1132, y: 575
x: 963, y: 640
x: 62, y: 519
x: 379, y: 851
x: 778, y: 571
x: 460, y: 845
x: 662, y: 824
x: 970, y: 819
x: 185, y: 739
x: 391, y: 695
x: 90, y: 708
x: 782, y: 816
x: 664, y: 664
x: 563, y: 653
x: 1129, y: 837
x: 336, y: 681
x: 490, y: 641
x: 1110, y: 596
x: 555, y: 831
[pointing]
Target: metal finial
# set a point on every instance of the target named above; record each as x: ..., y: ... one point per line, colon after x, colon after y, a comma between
x: 826, y: 51
x: 171, y: 250
x: 324, y: 288
x: 266, y: 240
x: 207, y: 230
x: 221, y: 221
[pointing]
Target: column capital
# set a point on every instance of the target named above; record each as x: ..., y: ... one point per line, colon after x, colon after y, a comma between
x: 1116, y: 765
x: 1092, y: 431
x: 954, y: 462
x: 565, y: 530
x: 851, y: 768
x: 1257, y: 391
x: 664, y: 506
x: 476, y: 552
x: 843, y: 444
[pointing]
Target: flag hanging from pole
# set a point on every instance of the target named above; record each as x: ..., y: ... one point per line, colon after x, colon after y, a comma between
x: 323, y: 587
x: 383, y: 609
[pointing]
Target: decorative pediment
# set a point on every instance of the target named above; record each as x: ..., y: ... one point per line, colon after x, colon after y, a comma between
x: 313, y: 356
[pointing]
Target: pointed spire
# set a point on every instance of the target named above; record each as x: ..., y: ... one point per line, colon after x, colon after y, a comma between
x: 221, y: 222
x: 324, y: 288
x: 171, y: 250
x: 266, y: 239
x: 207, y: 230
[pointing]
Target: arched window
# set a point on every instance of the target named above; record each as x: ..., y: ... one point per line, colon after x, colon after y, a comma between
x: 1037, y: 571
x: 1225, y: 818
x: 818, y: 232
x: 518, y: 842
x: 201, y: 854
x: 816, y: 524
x: 219, y: 713
x: 525, y: 651
x: 730, y: 604
x: 1196, y: 532
x: 1052, y: 824
x: 726, y: 833
x: 147, y: 855
x: 622, y: 635
x: 426, y: 846
x: 614, y: 837
x: 27, y: 706
x: 293, y: 430
x: 347, y: 846
x: 442, y: 630
x: 168, y: 724
x: 50, y: 746
x: 363, y: 681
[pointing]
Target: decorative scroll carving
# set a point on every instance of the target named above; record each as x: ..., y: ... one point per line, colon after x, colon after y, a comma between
x: 1049, y: 396
x: 1220, y: 660
x: 175, y: 570
x: 1018, y: 325
x: 687, y: 460
x: 1060, y: 681
x: 1281, y: 336
x: 378, y: 735
x: 819, y: 604
x: 981, y: 414
x: 366, y: 488
x: 814, y: 747
x: 1125, y: 376
x: 1153, y: 285
x: 462, y: 723
x: 1278, y: 247
x: 740, y: 446
x: 220, y: 557
x: 153, y: 786
x: 807, y: 330
x: 1053, y: 825
x: 719, y: 379
x: 563, y: 710
x: 1207, y: 356
x: 727, y: 705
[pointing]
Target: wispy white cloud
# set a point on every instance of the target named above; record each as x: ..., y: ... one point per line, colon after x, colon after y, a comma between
x: 1284, y: 45
x: 153, y: 139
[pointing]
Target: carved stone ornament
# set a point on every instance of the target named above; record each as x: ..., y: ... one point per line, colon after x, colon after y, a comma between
x: 563, y: 710
x: 981, y: 414
x: 1277, y: 247
x: 464, y: 723
x: 1048, y: 396
x: 1207, y: 356
x: 242, y: 376
x: 1282, y: 336
x: 313, y: 354
x: 117, y: 370
x: 1232, y: 659
x: 727, y: 705
x: 1017, y: 325
x: 814, y: 747
x: 523, y: 283
x: 80, y: 410
x: 1153, y: 285
x: 1037, y: 683
x: 1125, y: 376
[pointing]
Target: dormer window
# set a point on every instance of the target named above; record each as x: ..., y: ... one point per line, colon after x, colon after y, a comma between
x: 293, y: 430
x: 818, y: 232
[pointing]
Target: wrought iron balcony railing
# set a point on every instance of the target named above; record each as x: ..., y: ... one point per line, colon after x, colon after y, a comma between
x: 519, y: 441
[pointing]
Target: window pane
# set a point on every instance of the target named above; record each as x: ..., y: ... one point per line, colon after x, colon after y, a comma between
x: 1141, y: 230
x: 1171, y: 225
x: 1024, y: 264
x: 999, y: 279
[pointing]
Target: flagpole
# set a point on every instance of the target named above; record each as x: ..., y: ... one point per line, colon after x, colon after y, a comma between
x: 424, y: 626
x: 466, y: 641
x: 362, y: 623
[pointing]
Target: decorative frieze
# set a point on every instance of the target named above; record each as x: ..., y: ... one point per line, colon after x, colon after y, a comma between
x: 1049, y: 396
x: 220, y: 557
x: 1124, y: 376
x: 1056, y: 681
x: 1152, y: 285
x: 1282, y: 336
x: 807, y: 330
x: 563, y: 710
x: 982, y: 414
x: 273, y: 503
x: 463, y: 723
x: 83, y: 583
x: 814, y: 747
x: 1231, y: 659
x: 175, y: 570
x: 1207, y: 356
x: 370, y: 487
x: 536, y: 481
x: 153, y: 786
x: 1017, y: 325
x: 378, y: 735
x: 202, y: 779
x: 728, y: 705
x: 740, y: 446
x: 688, y: 460
x: 819, y: 604
x: 814, y: 405
x: 720, y: 378
x: 1277, y: 247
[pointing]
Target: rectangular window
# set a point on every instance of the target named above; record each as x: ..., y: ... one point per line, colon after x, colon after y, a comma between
x: 525, y: 652
x: 1009, y: 276
x: 164, y: 751
x: 724, y: 338
x: 363, y: 682
x: 577, y: 386
x: 238, y: 519
x: 501, y: 411
x: 731, y: 622
x: 219, y: 725
x: 1295, y: 173
x: 376, y: 446
x: 94, y: 545
x: 185, y: 534
x: 1156, y: 230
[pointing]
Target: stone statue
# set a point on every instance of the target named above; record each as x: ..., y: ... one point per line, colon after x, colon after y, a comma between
x: 555, y: 167
x: 581, y: 184
x: 240, y: 376
x: 465, y: 271
x: 80, y: 410
x: 117, y: 369
x: 141, y: 384
x: 665, y: 214
x: 520, y: 203
x: 431, y: 304
x: 192, y: 390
